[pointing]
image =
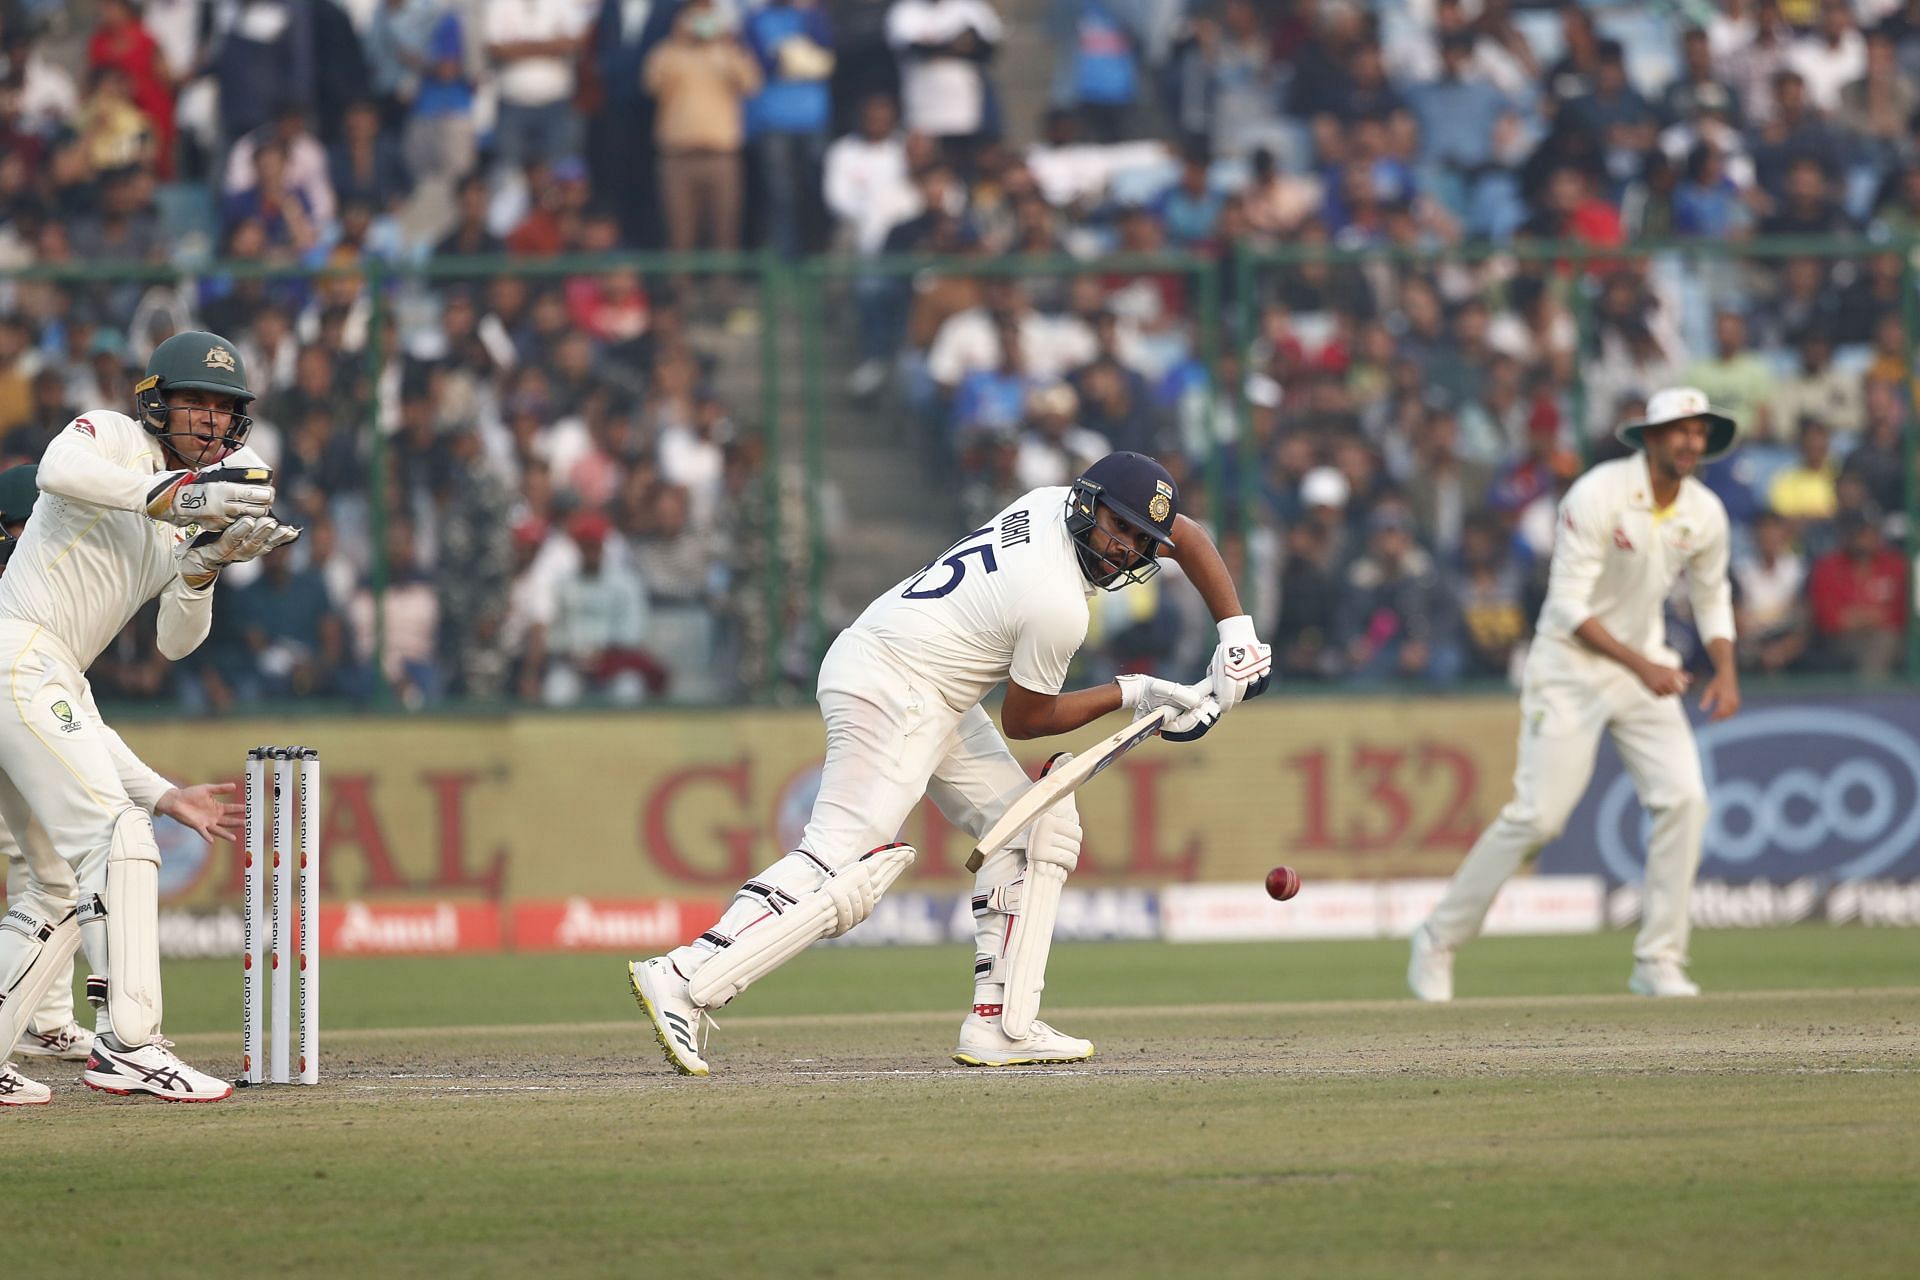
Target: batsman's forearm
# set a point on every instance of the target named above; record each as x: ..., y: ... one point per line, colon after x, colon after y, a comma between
x: 1593, y: 633
x: 1201, y: 561
x: 1068, y: 712
x: 1721, y: 651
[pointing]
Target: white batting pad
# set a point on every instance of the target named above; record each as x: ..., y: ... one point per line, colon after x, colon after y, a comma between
x: 847, y: 898
x: 133, y: 929
x: 1053, y: 851
x: 1032, y: 943
x: 35, y: 953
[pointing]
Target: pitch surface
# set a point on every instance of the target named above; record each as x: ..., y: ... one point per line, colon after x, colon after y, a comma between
x: 511, y: 1116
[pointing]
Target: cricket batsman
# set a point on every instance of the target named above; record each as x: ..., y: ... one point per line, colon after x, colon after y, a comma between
x: 1600, y: 663
x: 130, y: 508
x: 900, y: 691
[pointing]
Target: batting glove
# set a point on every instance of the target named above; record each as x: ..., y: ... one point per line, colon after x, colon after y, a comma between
x: 1145, y: 694
x: 1241, y: 665
x: 211, y: 499
x: 1191, y: 726
x: 245, y: 539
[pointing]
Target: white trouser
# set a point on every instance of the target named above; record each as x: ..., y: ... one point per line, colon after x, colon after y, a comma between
x: 891, y: 740
x: 43, y: 884
x: 57, y: 768
x: 1568, y: 699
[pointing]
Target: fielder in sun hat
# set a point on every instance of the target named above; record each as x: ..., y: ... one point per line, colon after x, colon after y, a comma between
x: 1676, y: 404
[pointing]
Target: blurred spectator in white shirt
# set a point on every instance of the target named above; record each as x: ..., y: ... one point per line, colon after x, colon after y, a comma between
x: 943, y: 47
x: 1770, y: 614
x: 594, y: 644
x: 866, y: 183
x: 1830, y: 57
x: 1055, y: 447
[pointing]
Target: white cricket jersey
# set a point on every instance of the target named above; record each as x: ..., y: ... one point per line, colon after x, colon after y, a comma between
x: 90, y: 556
x: 1616, y: 559
x: 1007, y: 601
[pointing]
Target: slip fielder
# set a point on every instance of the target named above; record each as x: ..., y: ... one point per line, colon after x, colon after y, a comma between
x: 127, y: 512
x: 900, y: 691
x: 1600, y: 663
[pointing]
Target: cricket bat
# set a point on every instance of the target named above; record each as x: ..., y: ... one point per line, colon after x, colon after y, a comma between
x: 1049, y: 789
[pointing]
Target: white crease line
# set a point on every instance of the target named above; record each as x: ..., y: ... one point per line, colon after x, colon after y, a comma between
x: 1117, y: 1013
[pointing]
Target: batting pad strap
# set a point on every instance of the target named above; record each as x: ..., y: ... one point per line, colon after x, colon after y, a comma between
x: 35, y: 953
x: 1003, y: 899
x: 847, y: 898
x: 23, y: 921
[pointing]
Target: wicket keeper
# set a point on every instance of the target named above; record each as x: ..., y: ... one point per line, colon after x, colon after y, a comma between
x: 130, y: 508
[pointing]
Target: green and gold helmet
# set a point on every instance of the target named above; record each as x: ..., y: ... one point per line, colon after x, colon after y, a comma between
x: 193, y: 361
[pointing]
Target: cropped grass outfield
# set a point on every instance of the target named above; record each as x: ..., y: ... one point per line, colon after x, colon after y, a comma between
x: 1254, y: 1111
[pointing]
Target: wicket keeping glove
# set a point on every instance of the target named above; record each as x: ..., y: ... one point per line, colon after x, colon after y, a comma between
x: 245, y: 539
x: 1241, y: 665
x: 212, y: 499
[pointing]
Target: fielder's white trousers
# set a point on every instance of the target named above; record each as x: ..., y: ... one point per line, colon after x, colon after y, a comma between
x: 1568, y: 698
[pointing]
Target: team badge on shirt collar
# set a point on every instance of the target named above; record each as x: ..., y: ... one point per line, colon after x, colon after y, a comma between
x: 1161, y: 502
x: 220, y: 358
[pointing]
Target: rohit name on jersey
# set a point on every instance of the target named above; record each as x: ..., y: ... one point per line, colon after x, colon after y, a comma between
x: 1016, y: 529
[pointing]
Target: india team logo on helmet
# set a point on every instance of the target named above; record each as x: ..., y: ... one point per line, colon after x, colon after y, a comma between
x: 1160, y: 505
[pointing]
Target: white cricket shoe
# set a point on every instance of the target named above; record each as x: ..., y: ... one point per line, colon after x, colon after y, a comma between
x: 1430, y: 969
x: 150, y: 1068
x: 73, y: 1043
x: 677, y: 1020
x: 1661, y: 978
x: 18, y: 1091
x: 984, y: 1044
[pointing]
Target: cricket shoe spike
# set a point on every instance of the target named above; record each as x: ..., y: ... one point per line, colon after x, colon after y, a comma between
x: 72, y: 1043
x: 1661, y: 978
x: 1430, y: 968
x: 679, y: 1024
x: 984, y: 1044
x: 18, y: 1091
x: 150, y: 1068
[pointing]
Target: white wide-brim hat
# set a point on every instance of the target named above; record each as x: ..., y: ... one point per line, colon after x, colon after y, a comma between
x: 1676, y: 404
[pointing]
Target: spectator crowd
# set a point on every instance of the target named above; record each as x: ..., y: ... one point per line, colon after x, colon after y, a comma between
x: 1379, y: 436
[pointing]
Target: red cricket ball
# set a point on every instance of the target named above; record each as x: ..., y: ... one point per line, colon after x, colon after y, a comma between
x: 1282, y: 883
